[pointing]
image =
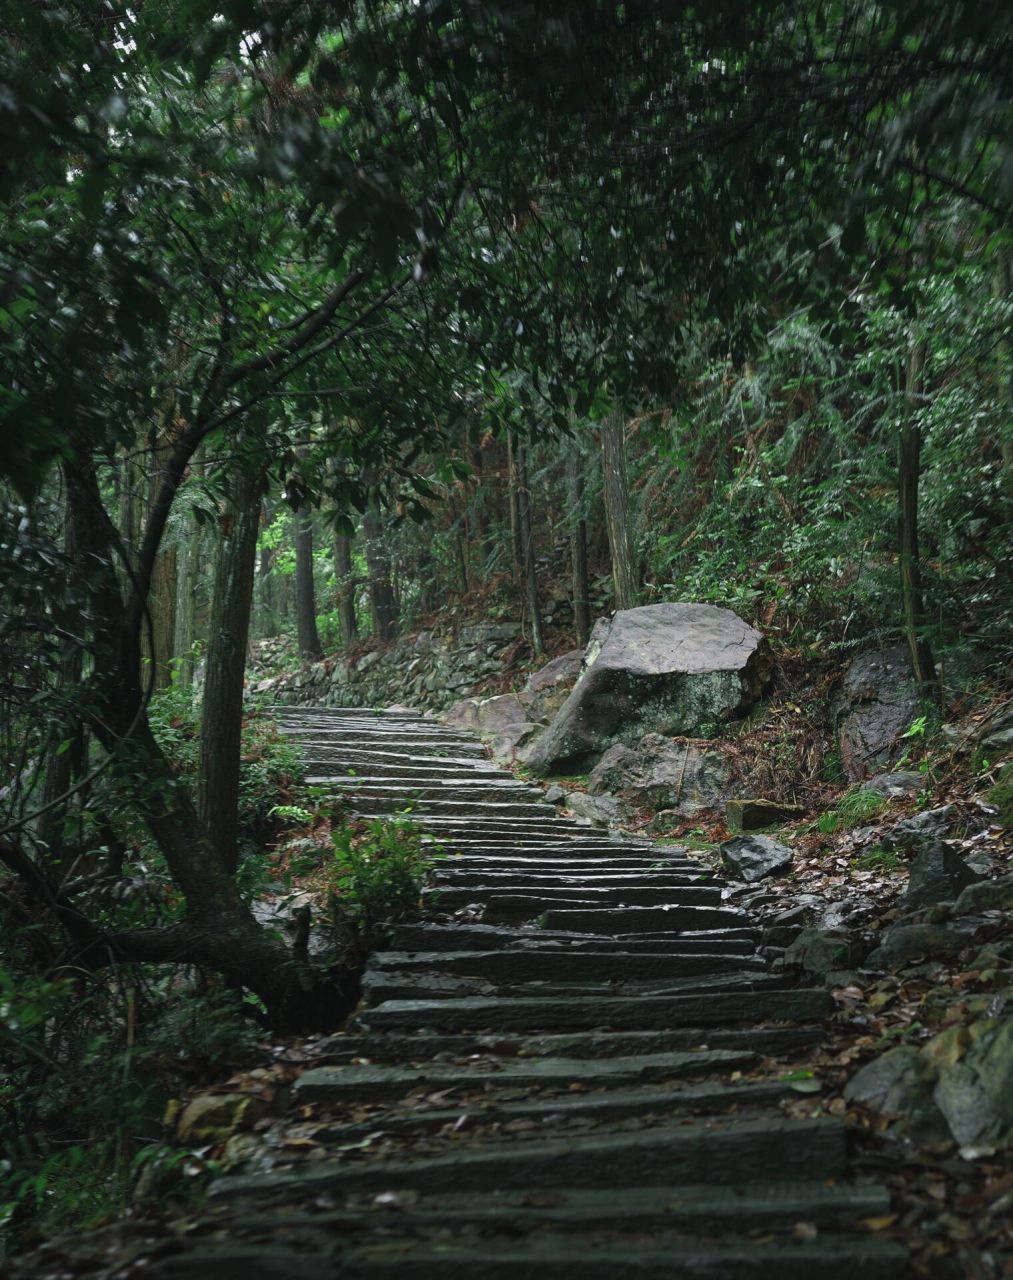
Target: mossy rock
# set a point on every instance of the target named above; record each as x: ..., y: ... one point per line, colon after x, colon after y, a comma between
x: 1001, y: 797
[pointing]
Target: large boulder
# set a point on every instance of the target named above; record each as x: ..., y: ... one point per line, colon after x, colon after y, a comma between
x: 880, y: 701
x: 503, y: 721
x: 752, y: 858
x: 937, y: 874
x: 663, y: 668
x: 661, y: 774
x: 551, y: 684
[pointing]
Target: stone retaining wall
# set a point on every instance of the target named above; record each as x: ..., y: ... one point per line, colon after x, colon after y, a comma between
x: 429, y: 671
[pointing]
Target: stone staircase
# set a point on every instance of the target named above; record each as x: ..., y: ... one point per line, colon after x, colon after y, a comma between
x: 565, y: 1071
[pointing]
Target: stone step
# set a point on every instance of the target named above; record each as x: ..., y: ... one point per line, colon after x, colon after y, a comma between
x: 471, y: 937
x: 563, y: 965
x: 620, y: 920
x: 721, y: 1211
x: 365, y: 1083
x: 393, y: 767
x: 725, y: 1152
x: 380, y: 984
x: 364, y: 758
x: 518, y: 904
x: 582, y: 1012
x: 449, y: 872
x: 679, y: 1259
x: 449, y: 810
x: 394, y: 1046
x: 437, y: 788
x: 551, y: 1111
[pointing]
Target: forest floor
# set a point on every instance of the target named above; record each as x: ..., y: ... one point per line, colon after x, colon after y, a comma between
x: 952, y: 1207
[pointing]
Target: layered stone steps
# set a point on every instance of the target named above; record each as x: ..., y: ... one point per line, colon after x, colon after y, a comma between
x: 582, y: 1083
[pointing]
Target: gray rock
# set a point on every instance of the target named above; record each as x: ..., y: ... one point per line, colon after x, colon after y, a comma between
x: 489, y: 716
x: 562, y: 670
x: 823, y: 950
x: 880, y: 701
x: 938, y: 874
x: 678, y: 776
x: 752, y: 858
x: 906, y: 942
x: 926, y: 828
x: 895, y: 784
x: 899, y: 1083
x: 601, y: 810
x: 664, y: 668
x: 985, y: 895
x: 748, y: 815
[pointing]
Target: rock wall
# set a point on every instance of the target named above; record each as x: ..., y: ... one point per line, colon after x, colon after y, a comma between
x: 429, y: 671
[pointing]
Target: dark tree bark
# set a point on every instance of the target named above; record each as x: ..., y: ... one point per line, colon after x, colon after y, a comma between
x: 528, y: 548
x: 343, y: 571
x: 162, y: 609
x: 218, y: 929
x: 305, y: 589
x: 513, y: 503
x: 381, y: 590
x: 222, y: 716
x: 617, y: 511
x: 581, y: 589
x: 908, y: 475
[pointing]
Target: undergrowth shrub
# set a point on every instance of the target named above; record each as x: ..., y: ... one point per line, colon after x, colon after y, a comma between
x: 379, y: 874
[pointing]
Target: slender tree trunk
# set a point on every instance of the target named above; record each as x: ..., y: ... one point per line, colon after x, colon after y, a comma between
x: 617, y: 510
x: 578, y: 547
x: 186, y: 605
x: 528, y: 548
x: 343, y: 571
x: 908, y: 475
x: 479, y: 532
x: 381, y: 590
x: 459, y: 525
x: 513, y: 502
x: 1002, y: 286
x: 221, y: 722
x: 162, y: 608
x: 305, y: 590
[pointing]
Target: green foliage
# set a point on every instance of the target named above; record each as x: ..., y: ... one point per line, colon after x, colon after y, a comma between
x: 852, y: 810
x: 86, y: 1067
x: 379, y: 877
x: 269, y: 765
x: 878, y: 860
x: 1000, y: 797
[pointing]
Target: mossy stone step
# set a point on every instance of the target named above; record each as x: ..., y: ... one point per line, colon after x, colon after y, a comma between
x: 568, y: 965
x: 582, y: 1012
x: 470, y: 937
x: 329, y: 1084
x: 724, y: 1152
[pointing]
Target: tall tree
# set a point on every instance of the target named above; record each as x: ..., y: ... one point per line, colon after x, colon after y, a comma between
x: 305, y: 587
x: 617, y: 510
x: 222, y: 714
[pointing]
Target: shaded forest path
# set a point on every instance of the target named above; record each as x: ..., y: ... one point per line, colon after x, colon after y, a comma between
x: 569, y: 1070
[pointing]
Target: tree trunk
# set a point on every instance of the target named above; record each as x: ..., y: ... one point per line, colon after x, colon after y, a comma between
x: 218, y: 930
x: 305, y: 590
x: 162, y: 609
x: 908, y: 475
x: 617, y: 510
x: 479, y: 532
x: 578, y: 547
x: 222, y: 718
x: 513, y: 502
x: 381, y: 591
x: 186, y: 604
x: 343, y: 571
x: 1002, y: 287
x: 528, y: 548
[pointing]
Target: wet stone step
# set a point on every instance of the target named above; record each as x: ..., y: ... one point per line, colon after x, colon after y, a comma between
x: 393, y: 1046
x: 619, y: 920
x: 586, y: 966
x: 552, y: 1111
x: 329, y: 1084
x: 471, y: 937
x: 506, y: 903
x: 701, y: 1209
x: 725, y: 1152
x: 547, y: 1014
x: 680, y: 1259
x: 379, y: 985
